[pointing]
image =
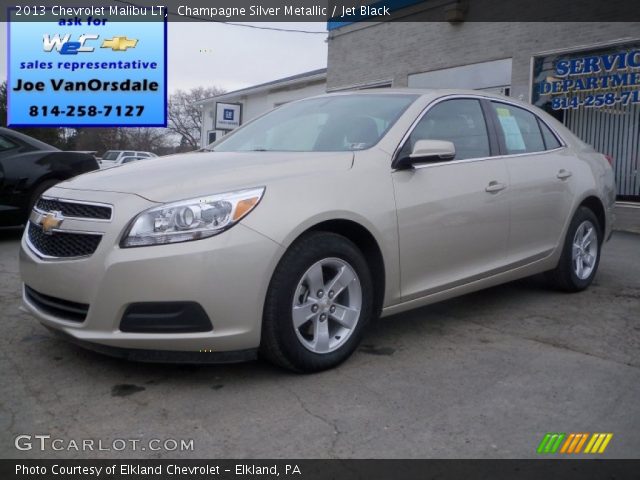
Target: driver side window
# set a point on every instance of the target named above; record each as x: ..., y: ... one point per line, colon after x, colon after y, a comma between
x: 459, y: 121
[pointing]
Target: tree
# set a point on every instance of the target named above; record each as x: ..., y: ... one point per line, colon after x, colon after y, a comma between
x: 185, y: 117
x: 99, y: 139
x: 3, y: 104
x: 146, y: 139
x: 122, y: 138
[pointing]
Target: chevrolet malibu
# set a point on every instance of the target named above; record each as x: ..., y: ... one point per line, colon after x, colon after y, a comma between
x: 286, y: 237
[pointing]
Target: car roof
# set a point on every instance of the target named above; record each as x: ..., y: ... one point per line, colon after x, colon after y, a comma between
x: 427, y: 92
x: 435, y: 93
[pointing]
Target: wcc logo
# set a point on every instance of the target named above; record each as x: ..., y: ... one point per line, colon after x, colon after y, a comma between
x: 574, y: 443
x: 64, y: 45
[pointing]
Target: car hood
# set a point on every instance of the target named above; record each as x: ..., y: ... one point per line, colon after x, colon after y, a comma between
x: 183, y: 176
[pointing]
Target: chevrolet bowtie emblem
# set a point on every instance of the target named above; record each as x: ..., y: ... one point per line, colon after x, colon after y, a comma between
x: 51, y: 221
x: 119, y: 44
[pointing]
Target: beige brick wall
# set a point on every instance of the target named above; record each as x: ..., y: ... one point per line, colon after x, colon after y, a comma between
x: 365, y: 53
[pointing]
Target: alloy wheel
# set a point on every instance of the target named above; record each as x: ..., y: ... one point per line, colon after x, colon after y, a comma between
x: 326, y: 305
x: 585, y: 250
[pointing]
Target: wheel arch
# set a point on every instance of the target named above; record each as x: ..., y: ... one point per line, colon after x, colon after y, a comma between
x: 369, y: 247
x: 594, y: 204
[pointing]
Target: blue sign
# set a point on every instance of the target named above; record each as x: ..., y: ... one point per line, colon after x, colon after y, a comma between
x: 593, y: 81
x: 87, y: 72
x: 228, y: 114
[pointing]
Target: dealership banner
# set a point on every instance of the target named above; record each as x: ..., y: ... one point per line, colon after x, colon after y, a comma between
x: 86, y: 70
x: 319, y: 469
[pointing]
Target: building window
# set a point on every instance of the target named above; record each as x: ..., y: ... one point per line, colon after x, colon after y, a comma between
x: 493, y: 76
x: 596, y: 94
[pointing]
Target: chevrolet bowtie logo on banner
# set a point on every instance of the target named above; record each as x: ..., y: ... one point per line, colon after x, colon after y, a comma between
x: 574, y: 442
x: 119, y: 44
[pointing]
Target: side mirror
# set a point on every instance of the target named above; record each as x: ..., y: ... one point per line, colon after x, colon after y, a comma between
x: 425, y: 151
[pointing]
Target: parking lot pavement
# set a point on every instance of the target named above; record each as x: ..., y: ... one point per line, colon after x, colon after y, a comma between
x: 485, y: 375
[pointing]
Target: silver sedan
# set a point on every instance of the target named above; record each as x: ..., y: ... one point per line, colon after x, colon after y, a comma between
x: 286, y: 237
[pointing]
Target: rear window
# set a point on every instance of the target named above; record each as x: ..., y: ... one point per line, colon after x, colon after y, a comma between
x: 111, y: 155
x: 550, y: 140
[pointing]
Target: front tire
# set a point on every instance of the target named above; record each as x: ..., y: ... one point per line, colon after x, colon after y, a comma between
x: 319, y: 302
x: 580, y: 255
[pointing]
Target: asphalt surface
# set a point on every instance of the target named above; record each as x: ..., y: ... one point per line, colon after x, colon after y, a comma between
x: 485, y: 375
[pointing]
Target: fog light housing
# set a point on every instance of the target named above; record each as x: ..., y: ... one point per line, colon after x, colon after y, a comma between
x: 165, y: 317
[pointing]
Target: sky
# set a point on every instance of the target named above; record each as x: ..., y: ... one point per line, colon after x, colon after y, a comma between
x: 231, y: 57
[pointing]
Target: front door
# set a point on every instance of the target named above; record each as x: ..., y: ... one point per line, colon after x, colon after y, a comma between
x: 453, y: 216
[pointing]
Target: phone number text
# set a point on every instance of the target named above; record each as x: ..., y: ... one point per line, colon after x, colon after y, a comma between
x: 86, y: 111
x: 596, y: 100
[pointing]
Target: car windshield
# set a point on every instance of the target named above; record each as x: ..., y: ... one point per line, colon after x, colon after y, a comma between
x: 111, y: 155
x: 324, y: 124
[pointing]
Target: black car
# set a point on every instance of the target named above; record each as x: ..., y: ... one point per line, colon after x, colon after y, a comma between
x: 28, y: 167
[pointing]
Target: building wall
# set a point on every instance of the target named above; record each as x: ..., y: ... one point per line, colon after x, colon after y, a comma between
x: 256, y: 104
x: 368, y: 53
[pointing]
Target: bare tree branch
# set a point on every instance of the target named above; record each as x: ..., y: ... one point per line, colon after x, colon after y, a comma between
x: 185, y: 117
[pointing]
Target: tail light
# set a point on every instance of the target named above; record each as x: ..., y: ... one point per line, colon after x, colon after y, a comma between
x: 609, y: 159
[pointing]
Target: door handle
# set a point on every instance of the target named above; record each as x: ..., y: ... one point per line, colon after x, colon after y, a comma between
x: 563, y: 174
x: 495, y: 187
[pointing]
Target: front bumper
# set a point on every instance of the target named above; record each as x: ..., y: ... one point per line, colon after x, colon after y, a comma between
x: 162, y: 356
x: 227, y: 275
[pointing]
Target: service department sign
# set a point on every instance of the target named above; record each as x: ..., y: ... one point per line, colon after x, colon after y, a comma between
x: 228, y: 116
x: 595, y: 80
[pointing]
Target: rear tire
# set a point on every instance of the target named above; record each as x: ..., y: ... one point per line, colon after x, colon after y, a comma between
x: 580, y: 257
x: 319, y: 302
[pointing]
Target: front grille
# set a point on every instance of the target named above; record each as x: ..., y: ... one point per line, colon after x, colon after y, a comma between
x: 72, y: 209
x: 57, y: 307
x: 62, y: 244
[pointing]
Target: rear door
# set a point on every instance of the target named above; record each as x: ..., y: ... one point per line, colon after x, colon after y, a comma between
x: 453, y: 216
x: 539, y: 182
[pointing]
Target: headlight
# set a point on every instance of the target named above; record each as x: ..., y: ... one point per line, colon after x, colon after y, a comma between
x: 190, y: 219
